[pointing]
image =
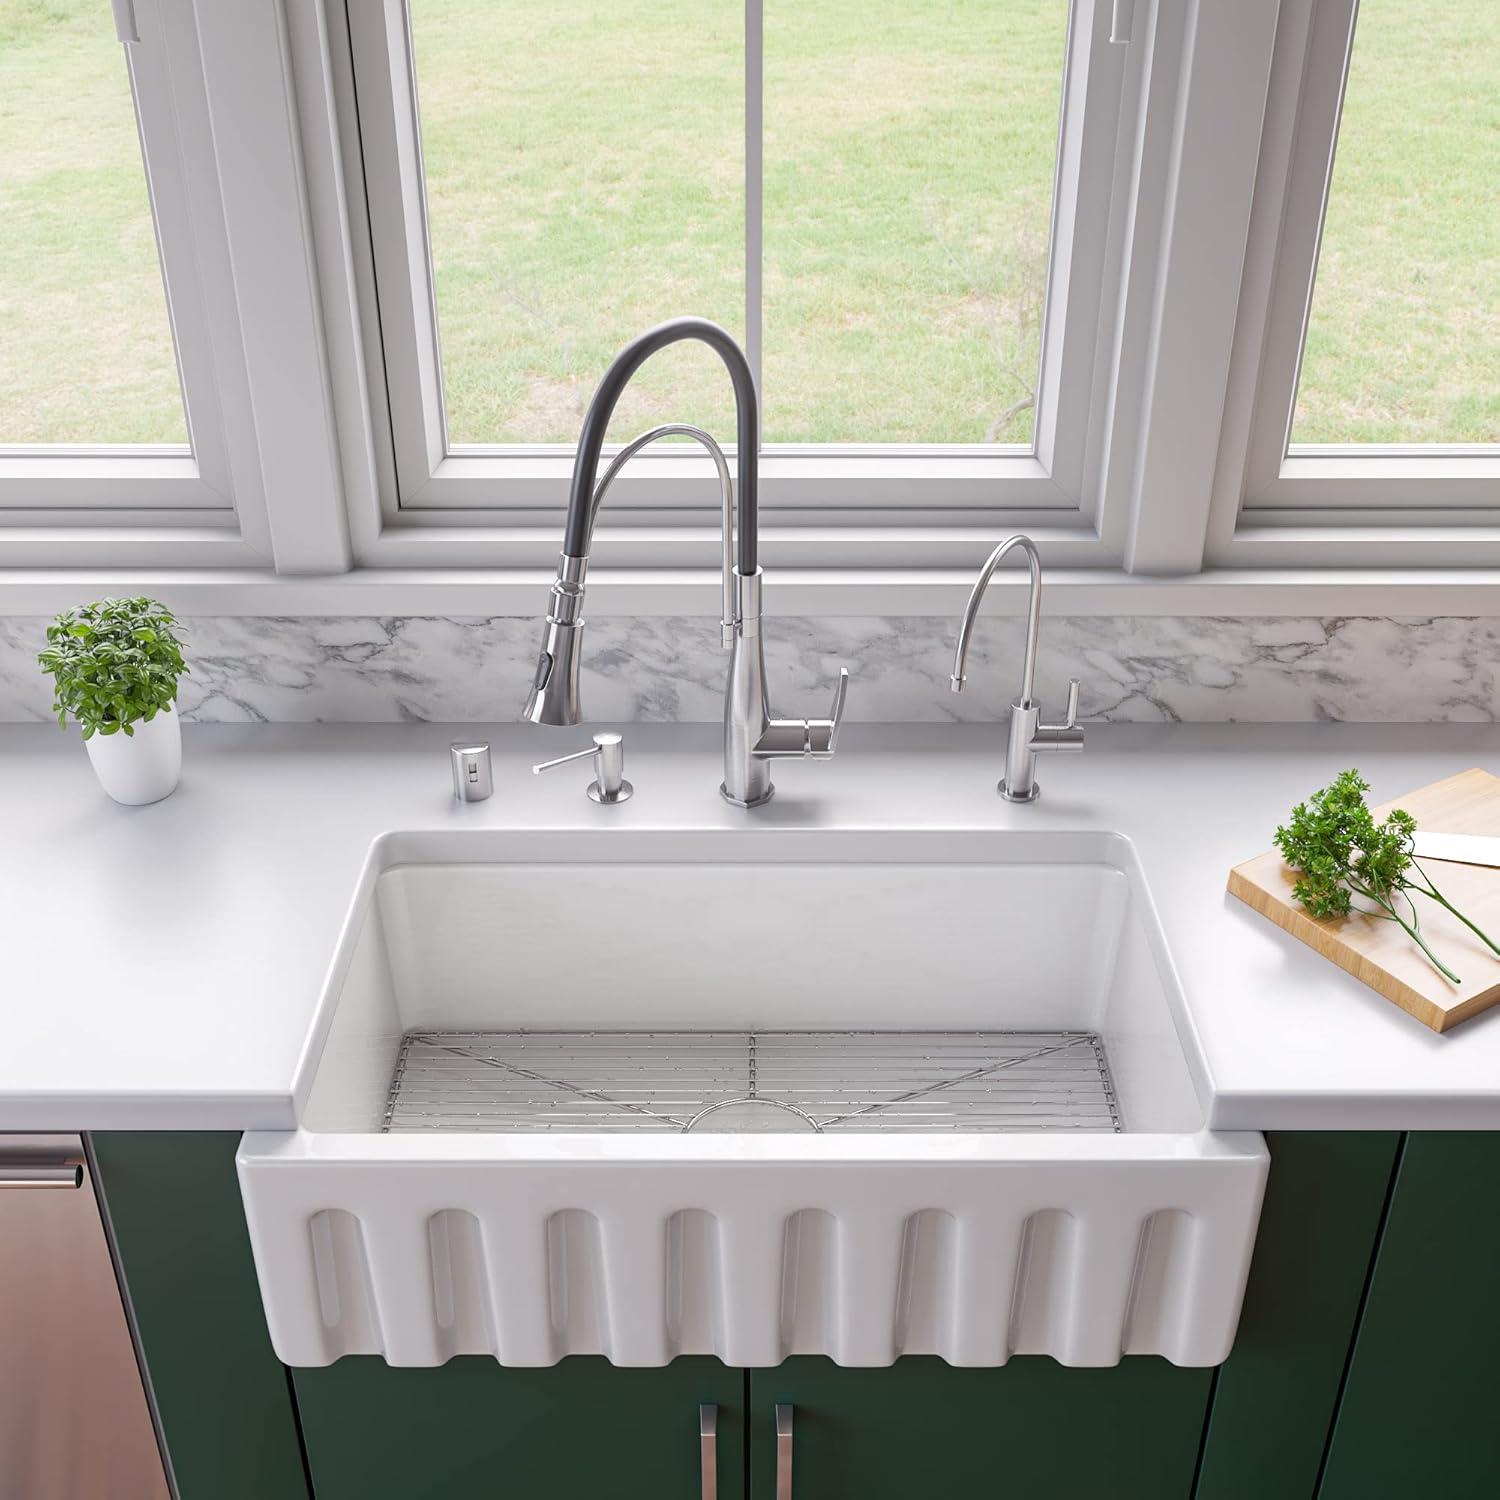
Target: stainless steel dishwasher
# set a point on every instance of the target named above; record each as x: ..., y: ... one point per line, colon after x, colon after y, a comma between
x: 75, y: 1422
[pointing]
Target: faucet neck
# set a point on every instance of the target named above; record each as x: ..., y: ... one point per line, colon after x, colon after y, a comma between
x: 1033, y: 616
x: 576, y: 540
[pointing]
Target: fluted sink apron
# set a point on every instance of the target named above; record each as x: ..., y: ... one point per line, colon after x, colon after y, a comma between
x: 752, y: 1093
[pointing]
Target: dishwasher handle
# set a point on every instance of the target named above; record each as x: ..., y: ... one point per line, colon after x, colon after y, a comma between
x: 40, y: 1167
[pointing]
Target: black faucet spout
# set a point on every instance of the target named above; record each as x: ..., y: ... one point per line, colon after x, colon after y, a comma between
x: 576, y: 540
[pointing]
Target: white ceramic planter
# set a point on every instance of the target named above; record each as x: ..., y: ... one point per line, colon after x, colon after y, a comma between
x: 143, y: 766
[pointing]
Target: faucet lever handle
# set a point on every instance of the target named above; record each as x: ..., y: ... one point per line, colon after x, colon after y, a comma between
x: 823, y: 734
x: 1064, y: 736
x: 836, y: 715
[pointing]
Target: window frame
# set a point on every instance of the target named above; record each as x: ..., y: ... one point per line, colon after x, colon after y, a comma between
x: 1193, y: 177
x: 1278, y: 502
x: 822, y: 505
x: 181, y: 493
x: 259, y: 483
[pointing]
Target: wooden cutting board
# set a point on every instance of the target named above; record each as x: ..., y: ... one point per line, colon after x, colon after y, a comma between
x: 1377, y: 951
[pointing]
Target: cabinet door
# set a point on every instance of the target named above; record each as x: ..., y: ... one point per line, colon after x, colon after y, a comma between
x: 472, y: 1430
x: 1274, y: 1401
x: 173, y: 1208
x: 1418, y: 1413
x: 1030, y: 1428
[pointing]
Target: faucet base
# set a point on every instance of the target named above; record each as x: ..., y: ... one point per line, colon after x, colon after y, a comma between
x: 739, y: 802
x: 1028, y: 796
x: 608, y: 799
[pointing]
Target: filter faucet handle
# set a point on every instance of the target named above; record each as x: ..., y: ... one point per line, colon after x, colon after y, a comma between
x: 1071, y: 722
x: 1065, y: 736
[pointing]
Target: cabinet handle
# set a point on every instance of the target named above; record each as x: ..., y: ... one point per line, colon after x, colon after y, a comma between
x: 783, y: 1452
x: 31, y: 1168
x: 708, y: 1450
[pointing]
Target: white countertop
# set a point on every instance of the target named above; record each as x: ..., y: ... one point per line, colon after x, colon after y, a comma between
x: 161, y: 965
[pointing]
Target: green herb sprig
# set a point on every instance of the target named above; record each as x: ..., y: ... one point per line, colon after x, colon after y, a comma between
x: 1339, y: 852
x: 114, y: 663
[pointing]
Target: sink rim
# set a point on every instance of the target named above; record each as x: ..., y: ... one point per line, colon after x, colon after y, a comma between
x: 458, y: 1148
x: 854, y: 845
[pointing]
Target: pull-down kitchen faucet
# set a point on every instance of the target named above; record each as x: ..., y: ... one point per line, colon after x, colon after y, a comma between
x: 1028, y: 735
x: 752, y: 738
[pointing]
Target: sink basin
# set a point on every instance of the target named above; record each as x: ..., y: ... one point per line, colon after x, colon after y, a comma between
x: 751, y: 1093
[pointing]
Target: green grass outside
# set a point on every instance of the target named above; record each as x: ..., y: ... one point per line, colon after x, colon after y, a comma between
x: 585, y: 166
x: 1403, y: 340
x: 585, y: 169
x: 85, y: 347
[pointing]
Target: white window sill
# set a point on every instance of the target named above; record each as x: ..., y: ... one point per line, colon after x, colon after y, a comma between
x: 803, y: 592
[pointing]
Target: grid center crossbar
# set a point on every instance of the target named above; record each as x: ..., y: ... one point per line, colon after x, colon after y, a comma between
x: 676, y: 1081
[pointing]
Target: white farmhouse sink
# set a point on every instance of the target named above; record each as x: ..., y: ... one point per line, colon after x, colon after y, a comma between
x: 940, y: 1090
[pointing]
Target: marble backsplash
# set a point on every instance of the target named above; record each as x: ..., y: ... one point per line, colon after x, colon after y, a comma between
x: 1137, y: 668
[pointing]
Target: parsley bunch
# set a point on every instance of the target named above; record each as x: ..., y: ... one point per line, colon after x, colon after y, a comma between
x: 1339, y: 852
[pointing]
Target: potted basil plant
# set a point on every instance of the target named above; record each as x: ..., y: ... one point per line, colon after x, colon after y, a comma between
x: 115, y: 664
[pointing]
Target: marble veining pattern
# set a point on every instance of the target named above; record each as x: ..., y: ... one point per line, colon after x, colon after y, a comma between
x: 1136, y: 668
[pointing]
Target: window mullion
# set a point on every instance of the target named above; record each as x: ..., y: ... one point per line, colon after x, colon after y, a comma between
x: 248, y: 82
x: 1194, y: 250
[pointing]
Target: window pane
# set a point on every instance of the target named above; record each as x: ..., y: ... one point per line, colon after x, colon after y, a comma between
x: 585, y: 179
x: 1403, y: 341
x: 909, y: 156
x: 83, y: 319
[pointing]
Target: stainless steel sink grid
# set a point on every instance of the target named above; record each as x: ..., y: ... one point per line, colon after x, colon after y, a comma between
x: 910, y: 1081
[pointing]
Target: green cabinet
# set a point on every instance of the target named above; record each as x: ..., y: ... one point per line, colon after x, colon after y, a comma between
x: 1418, y: 1414
x: 576, y: 1430
x: 582, y: 1428
x: 1032, y: 1427
x: 1255, y: 1428
x: 172, y: 1206
x: 1365, y: 1367
x: 1274, y: 1399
